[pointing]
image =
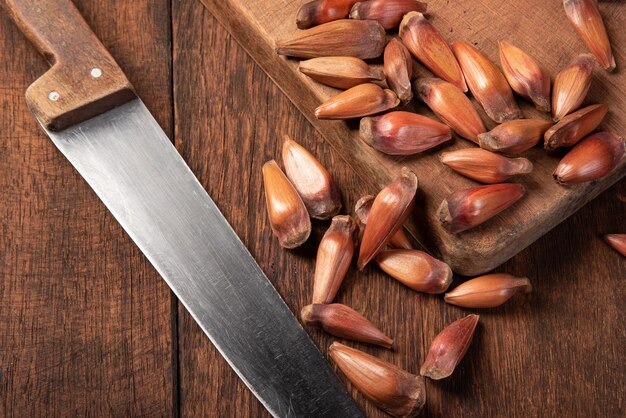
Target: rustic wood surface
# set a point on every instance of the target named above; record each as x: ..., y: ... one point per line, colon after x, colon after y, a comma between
x: 538, y: 27
x: 87, y: 327
x: 86, y: 323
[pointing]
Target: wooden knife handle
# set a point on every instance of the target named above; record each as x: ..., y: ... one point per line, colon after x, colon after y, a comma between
x: 84, y: 80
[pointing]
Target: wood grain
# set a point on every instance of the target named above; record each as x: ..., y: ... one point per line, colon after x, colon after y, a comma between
x: 536, y: 26
x: 554, y: 353
x: 85, y: 322
x: 87, y: 327
x: 59, y: 32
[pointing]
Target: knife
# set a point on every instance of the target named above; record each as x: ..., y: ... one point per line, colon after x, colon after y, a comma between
x: 89, y: 109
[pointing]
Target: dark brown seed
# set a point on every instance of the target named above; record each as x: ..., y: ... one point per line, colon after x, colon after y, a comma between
x: 525, y: 76
x: 574, y: 127
x: 485, y: 166
x: 353, y: 38
x: 398, y: 66
x: 288, y: 216
x: 403, y: 133
x: 449, y: 347
x: 571, y: 86
x: 389, y: 212
x: 362, y: 210
x: 427, y: 44
x: 344, y: 322
x: 388, y: 13
x: 341, y: 72
x: 466, y: 209
x: 593, y: 158
x: 416, y: 269
x: 585, y: 16
x: 334, y: 257
x: 392, y: 389
x: 514, y: 136
x: 312, y: 181
x: 317, y: 12
x: 362, y: 100
x: 451, y: 106
x: 487, y: 291
x: 487, y: 84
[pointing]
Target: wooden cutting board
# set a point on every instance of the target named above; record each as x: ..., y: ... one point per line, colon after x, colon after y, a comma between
x: 538, y: 27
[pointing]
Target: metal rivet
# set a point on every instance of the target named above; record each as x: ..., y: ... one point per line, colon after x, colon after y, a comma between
x: 96, y: 72
x: 54, y: 96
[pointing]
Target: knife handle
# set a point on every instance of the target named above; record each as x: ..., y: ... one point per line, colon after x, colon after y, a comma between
x: 84, y: 80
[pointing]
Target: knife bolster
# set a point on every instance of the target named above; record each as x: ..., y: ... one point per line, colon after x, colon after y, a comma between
x: 84, y: 80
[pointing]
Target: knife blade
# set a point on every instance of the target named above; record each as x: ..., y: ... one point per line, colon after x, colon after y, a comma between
x: 89, y: 110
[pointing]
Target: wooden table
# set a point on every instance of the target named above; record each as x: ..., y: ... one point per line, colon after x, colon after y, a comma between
x: 88, y: 328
